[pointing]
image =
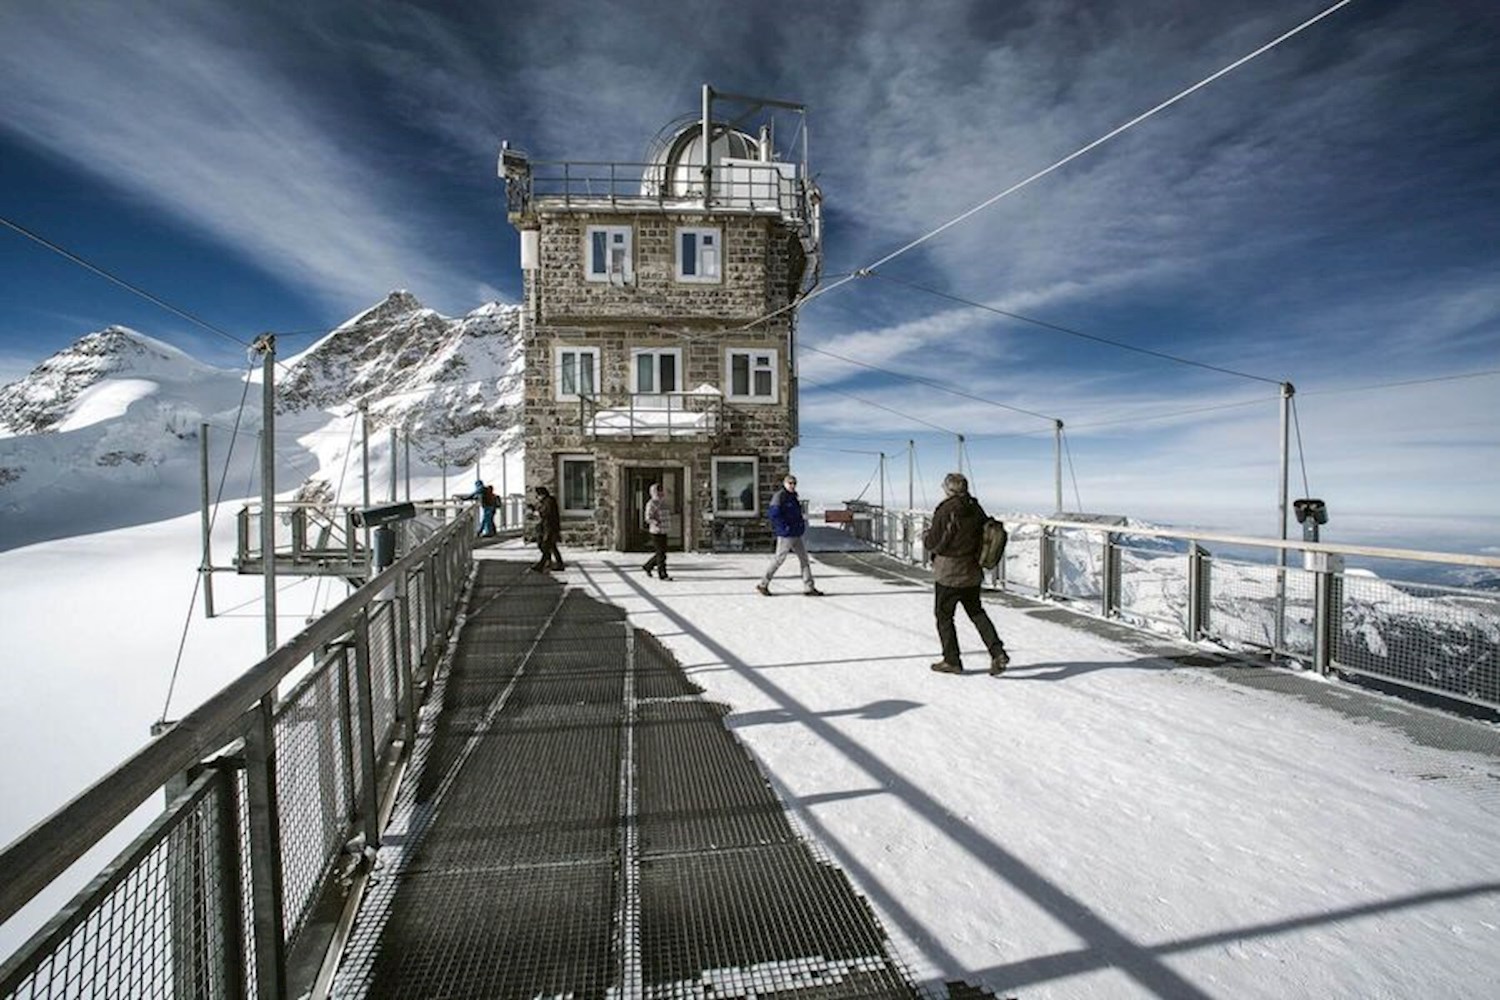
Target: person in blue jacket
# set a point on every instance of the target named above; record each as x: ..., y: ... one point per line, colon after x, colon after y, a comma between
x: 786, y: 517
x: 488, y: 504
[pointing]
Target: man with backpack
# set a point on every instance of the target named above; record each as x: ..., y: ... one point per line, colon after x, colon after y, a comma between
x: 488, y: 504
x: 954, y: 540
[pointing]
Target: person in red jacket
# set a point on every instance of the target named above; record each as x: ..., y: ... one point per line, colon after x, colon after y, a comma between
x: 953, y: 541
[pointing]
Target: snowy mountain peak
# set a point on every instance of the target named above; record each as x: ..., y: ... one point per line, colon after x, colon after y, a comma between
x: 41, y: 401
x: 397, y: 305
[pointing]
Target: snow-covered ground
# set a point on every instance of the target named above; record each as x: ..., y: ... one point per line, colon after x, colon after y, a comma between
x: 1092, y: 824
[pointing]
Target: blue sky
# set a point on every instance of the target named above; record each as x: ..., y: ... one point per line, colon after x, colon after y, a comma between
x: 1326, y: 214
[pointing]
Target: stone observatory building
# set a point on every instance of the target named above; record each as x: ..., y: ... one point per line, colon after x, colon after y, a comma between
x: 660, y: 326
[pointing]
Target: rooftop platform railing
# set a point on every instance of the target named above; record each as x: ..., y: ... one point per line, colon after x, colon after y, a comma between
x: 275, y: 788
x: 696, y: 416
x: 737, y: 186
x: 1318, y: 611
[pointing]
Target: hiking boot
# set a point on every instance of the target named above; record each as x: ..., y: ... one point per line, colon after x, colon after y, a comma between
x: 999, y: 660
x: 647, y: 568
x: 664, y: 577
x: 944, y: 667
x: 763, y: 590
x: 812, y: 592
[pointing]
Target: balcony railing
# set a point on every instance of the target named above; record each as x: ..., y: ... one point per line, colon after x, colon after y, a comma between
x: 274, y: 791
x: 693, y: 416
x: 738, y: 185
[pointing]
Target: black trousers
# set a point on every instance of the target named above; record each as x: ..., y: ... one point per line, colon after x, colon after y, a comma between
x: 658, y: 561
x: 947, y: 601
x: 549, y: 554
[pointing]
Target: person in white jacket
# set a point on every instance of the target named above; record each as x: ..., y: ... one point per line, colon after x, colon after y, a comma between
x: 658, y: 523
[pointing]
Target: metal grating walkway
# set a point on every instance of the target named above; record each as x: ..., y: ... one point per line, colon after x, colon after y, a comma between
x: 579, y: 823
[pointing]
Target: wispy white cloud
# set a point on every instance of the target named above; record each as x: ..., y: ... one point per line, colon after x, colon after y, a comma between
x: 169, y: 103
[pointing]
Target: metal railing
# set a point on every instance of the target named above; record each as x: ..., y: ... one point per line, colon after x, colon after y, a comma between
x: 274, y: 801
x: 694, y: 415
x: 1435, y: 638
x: 741, y: 185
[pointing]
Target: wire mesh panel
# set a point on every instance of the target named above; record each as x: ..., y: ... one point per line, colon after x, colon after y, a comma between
x: 1245, y: 598
x: 1077, y: 566
x: 310, y: 790
x: 153, y: 924
x: 1023, y: 558
x: 383, y: 672
x: 1153, y: 586
x: 1443, y: 639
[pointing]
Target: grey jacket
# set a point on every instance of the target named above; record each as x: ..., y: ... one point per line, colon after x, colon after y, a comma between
x: 953, y: 539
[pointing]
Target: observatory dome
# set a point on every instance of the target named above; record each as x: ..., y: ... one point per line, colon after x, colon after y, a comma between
x: 675, y: 159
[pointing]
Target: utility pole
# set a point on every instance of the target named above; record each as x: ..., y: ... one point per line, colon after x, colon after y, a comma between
x: 393, y: 463
x: 265, y: 344
x: 1057, y: 429
x: 960, y: 465
x: 406, y: 450
x: 911, y: 476
x: 443, y: 464
x: 207, y: 568
x: 364, y: 446
x: 1287, y: 392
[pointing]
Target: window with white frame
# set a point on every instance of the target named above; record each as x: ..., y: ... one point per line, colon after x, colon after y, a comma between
x: 575, y: 477
x: 752, y: 375
x: 607, y: 254
x: 699, y: 252
x: 656, y: 370
x: 734, y: 486
x: 577, y: 371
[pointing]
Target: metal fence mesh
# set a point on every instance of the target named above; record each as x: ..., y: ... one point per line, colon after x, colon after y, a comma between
x: 1023, y: 559
x: 156, y: 928
x: 1435, y: 638
x: 383, y: 671
x: 310, y: 791
x: 1077, y: 566
x: 1154, y: 586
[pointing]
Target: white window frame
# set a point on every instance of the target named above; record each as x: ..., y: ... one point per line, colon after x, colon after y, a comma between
x: 557, y: 369
x: 708, y: 262
x: 657, y: 352
x: 605, y: 270
x: 774, y: 367
x: 562, y: 491
x: 754, y: 461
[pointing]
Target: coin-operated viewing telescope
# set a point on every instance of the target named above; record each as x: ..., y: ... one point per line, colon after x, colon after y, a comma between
x: 381, y: 519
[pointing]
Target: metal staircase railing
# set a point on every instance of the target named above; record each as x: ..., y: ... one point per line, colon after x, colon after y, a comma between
x: 273, y: 797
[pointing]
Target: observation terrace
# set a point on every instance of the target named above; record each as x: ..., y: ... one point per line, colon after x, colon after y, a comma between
x: 469, y: 780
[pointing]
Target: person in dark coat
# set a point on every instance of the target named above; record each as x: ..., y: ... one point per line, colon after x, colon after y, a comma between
x: 548, y: 532
x: 658, y: 524
x: 787, y: 520
x: 953, y: 540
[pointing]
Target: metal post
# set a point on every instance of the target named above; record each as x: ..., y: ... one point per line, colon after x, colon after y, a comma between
x: 206, y: 569
x: 1046, y: 556
x: 707, y: 173
x: 1198, y: 592
x: 406, y: 451
x: 1057, y: 429
x: 882, y: 501
x: 363, y: 681
x: 911, y: 476
x: 1110, y: 572
x: 504, y: 489
x: 364, y: 447
x: 393, y: 464
x: 960, y: 466
x: 265, y: 852
x: 443, y: 463
x: 404, y: 659
x: 230, y: 909
x: 266, y: 344
x: 1286, y: 403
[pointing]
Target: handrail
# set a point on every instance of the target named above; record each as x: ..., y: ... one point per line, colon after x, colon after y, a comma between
x: 1294, y: 544
x: 50, y: 847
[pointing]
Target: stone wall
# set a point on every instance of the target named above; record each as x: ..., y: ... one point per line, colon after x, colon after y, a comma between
x: 762, y: 259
